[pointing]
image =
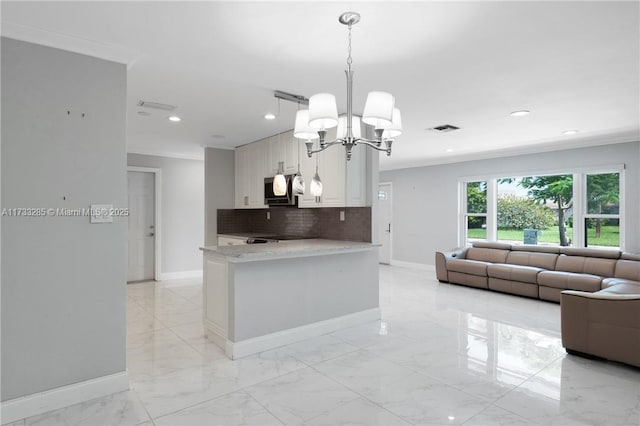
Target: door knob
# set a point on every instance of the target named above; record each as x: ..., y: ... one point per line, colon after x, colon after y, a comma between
x: 151, y: 234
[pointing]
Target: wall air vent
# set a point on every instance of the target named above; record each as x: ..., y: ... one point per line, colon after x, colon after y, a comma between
x: 156, y: 105
x: 444, y: 128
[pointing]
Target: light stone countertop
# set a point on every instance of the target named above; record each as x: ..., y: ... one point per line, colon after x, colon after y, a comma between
x: 286, y: 249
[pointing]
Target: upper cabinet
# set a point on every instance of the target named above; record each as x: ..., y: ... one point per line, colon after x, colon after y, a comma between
x: 250, y: 171
x: 283, y: 148
x: 344, y: 183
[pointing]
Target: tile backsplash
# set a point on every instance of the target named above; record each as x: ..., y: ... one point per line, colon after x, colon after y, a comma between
x: 311, y: 223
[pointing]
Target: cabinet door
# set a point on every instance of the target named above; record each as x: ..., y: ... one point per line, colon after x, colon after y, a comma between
x: 290, y: 151
x: 241, y: 178
x: 333, y: 174
x: 257, y: 172
x: 275, y: 152
x: 356, y: 178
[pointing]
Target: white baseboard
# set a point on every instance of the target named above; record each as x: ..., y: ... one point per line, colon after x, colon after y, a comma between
x: 41, y: 402
x: 180, y: 275
x: 247, y: 347
x: 413, y: 265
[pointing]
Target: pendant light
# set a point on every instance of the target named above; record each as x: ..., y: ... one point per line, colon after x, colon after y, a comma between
x: 316, y: 185
x: 279, y: 181
x: 298, y: 180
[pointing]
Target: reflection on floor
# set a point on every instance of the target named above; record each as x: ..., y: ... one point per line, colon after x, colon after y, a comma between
x: 443, y: 354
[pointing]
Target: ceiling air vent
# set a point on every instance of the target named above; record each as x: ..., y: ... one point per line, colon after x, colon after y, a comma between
x: 444, y: 128
x: 156, y: 105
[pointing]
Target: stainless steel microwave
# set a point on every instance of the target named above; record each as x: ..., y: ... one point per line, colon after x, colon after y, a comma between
x: 287, y: 199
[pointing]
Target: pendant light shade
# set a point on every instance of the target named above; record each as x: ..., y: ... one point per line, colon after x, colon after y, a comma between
x: 378, y: 108
x: 301, y: 129
x: 298, y: 184
x: 316, y: 185
x: 323, y: 112
x: 395, y: 129
x: 280, y: 182
x: 342, y: 127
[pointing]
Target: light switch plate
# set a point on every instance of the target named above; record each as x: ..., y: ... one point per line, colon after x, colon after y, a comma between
x: 101, y: 213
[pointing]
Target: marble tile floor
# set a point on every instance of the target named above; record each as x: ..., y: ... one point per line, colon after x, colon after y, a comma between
x: 442, y: 354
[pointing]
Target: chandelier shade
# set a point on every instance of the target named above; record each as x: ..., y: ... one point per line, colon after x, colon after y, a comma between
x: 323, y: 112
x: 395, y: 128
x: 301, y: 129
x: 342, y: 127
x: 378, y: 109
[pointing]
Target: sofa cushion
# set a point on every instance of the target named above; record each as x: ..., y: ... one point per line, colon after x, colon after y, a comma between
x: 628, y: 269
x: 622, y: 288
x: 569, y: 281
x: 491, y: 245
x: 466, y: 266
x: 590, y: 252
x: 586, y: 265
x: 487, y: 255
x: 525, y: 274
x: 537, y: 249
x: 630, y: 256
x: 539, y: 260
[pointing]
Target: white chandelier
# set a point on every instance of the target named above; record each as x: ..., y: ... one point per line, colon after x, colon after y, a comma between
x: 379, y: 111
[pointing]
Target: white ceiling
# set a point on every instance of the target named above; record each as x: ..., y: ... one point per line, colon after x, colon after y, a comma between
x: 575, y: 65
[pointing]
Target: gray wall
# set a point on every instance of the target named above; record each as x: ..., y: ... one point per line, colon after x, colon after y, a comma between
x: 182, y: 210
x: 219, y: 188
x: 425, y: 199
x: 63, y: 279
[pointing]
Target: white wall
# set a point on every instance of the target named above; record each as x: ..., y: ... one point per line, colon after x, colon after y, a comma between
x: 182, y: 211
x: 63, y: 279
x: 425, y: 199
x: 219, y: 188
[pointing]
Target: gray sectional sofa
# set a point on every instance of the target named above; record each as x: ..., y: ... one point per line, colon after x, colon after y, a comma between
x: 599, y: 290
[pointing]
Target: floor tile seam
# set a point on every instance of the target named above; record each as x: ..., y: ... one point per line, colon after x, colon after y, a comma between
x: 361, y: 396
x: 179, y: 295
x: 193, y: 405
x: 497, y: 400
x: 146, y: 410
x: 263, y: 406
x: 311, y: 364
x: 511, y: 412
x: 184, y: 341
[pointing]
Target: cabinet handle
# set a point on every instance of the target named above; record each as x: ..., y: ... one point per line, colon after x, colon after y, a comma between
x: 246, y: 200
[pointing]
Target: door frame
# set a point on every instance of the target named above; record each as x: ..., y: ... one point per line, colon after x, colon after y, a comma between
x: 390, y: 216
x: 157, y: 245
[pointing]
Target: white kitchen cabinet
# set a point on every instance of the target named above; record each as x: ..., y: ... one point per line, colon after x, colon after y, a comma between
x: 242, y: 177
x: 343, y: 183
x: 251, y: 164
x: 283, y: 148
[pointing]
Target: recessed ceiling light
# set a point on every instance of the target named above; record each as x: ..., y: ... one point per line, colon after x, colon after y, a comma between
x: 174, y: 118
x: 217, y: 136
x: 569, y: 132
x: 520, y: 113
x: 448, y: 150
x: 269, y: 116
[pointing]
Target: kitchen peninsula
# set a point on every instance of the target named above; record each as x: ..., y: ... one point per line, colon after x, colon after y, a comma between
x: 262, y: 296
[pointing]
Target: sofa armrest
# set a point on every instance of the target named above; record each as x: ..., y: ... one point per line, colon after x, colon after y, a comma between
x: 604, y: 325
x: 441, y: 261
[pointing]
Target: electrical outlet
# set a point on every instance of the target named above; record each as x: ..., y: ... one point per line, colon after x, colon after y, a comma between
x: 268, y: 215
x: 341, y: 215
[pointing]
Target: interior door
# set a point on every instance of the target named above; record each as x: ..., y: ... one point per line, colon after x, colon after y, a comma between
x: 384, y: 227
x: 141, y: 226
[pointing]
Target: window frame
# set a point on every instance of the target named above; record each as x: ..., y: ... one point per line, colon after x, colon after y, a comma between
x: 579, y: 200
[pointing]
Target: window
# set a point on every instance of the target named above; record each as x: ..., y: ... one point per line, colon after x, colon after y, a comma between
x: 543, y: 209
x: 602, y: 217
x: 476, y: 210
